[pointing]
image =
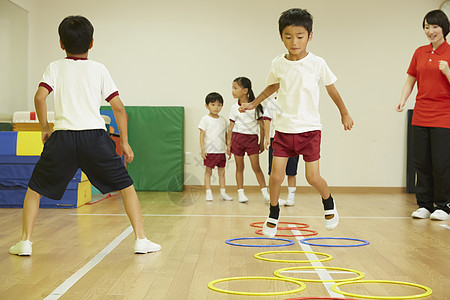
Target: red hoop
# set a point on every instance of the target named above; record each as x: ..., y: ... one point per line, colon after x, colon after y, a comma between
x: 259, y: 231
x: 302, y: 225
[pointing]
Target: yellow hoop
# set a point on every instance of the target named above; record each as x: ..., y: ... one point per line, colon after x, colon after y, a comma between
x: 428, y: 291
x: 360, y: 274
x: 212, y: 287
x: 328, y: 257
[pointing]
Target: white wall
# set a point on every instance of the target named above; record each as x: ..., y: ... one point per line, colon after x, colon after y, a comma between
x: 13, y: 58
x: 175, y: 52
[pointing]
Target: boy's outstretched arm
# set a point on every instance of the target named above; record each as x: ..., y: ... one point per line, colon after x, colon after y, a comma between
x: 40, y: 104
x: 269, y: 90
x: 121, y: 119
x: 266, y: 134
x: 346, y: 119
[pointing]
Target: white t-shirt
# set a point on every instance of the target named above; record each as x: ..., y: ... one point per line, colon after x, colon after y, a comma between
x: 298, y: 96
x: 79, y: 85
x: 270, y: 113
x: 215, y: 132
x: 245, y: 122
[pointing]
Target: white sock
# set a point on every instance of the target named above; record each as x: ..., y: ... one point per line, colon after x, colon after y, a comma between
x: 222, y: 191
x: 292, y: 189
x: 240, y: 191
x: 208, y: 192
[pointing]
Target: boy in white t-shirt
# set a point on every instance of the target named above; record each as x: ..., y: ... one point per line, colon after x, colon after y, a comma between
x: 79, y: 139
x: 213, y: 143
x: 297, y: 76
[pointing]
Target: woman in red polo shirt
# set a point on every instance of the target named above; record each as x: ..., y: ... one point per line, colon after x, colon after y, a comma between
x: 429, y: 67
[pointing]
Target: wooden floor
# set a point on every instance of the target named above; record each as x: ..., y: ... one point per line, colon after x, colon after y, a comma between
x: 69, y: 242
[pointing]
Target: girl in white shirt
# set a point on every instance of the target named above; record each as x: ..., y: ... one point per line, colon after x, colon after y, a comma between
x: 243, y: 136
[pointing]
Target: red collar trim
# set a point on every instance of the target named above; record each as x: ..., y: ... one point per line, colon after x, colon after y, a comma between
x: 76, y: 58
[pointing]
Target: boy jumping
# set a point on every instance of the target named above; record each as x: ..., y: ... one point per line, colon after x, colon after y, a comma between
x: 298, y: 129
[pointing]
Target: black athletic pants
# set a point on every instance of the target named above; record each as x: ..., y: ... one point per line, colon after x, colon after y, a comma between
x: 431, y: 148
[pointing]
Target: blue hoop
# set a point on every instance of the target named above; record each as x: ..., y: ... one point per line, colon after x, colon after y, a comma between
x: 364, y: 242
x: 259, y: 238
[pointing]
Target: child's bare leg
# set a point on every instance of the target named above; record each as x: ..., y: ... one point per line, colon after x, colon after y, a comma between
x: 208, y: 173
x: 239, y: 171
x: 221, y: 172
x: 276, y: 178
x: 254, y: 160
x: 30, y: 212
x: 313, y: 177
x: 292, y: 181
x: 133, y: 210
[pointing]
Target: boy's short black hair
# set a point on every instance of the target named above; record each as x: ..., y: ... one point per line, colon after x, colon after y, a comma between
x: 437, y: 17
x: 213, y: 97
x: 297, y: 17
x: 75, y: 33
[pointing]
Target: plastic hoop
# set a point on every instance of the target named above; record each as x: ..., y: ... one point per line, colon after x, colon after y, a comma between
x: 428, y: 291
x: 229, y: 242
x: 212, y: 287
x: 313, y: 232
x: 360, y: 274
x: 314, y: 298
x: 328, y: 257
x: 303, y: 225
x: 364, y: 242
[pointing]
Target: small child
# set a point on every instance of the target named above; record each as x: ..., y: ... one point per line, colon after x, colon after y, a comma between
x: 213, y: 139
x: 270, y: 113
x: 297, y: 75
x: 79, y: 139
x: 243, y: 136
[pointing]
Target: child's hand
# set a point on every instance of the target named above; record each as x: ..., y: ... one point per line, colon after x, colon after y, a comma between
x: 347, y: 121
x: 204, y: 154
x: 443, y: 66
x: 128, y: 152
x: 267, y: 144
x: 229, y: 152
x: 261, y: 147
x: 46, y: 135
x: 245, y: 106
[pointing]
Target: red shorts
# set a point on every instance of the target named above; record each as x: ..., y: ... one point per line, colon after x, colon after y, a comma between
x: 293, y: 144
x: 241, y: 143
x: 215, y: 159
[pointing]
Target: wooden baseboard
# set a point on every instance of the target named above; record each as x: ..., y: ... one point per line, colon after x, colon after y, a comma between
x: 333, y: 189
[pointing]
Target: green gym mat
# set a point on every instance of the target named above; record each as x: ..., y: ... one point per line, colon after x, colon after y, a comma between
x: 156, y: 135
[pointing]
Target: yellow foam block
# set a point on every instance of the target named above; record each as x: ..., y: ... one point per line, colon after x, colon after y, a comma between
x: 29, y: 143
x: 84, y: 193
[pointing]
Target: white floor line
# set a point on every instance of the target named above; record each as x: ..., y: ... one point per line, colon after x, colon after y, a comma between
x: 235, y: 216
x: 66, y: 285
x: 323, y: 274
x: 445, y: 226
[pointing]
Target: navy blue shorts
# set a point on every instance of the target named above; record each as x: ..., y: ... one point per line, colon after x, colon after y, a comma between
x: 292, y: 164
x: 68, y: 150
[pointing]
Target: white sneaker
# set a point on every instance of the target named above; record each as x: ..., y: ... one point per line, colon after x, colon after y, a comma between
x: 333, y: 222
x: 421, y: 213
x: 439, y: 215
x: 242, y: 197
x: 225, y: 197
x: 289, y: 202
x: 266, y: 195
x: 269, y: 231
x: 22, y: 248
x: 209, y: 196
x: 281, y: 202
x: 142, y: 246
